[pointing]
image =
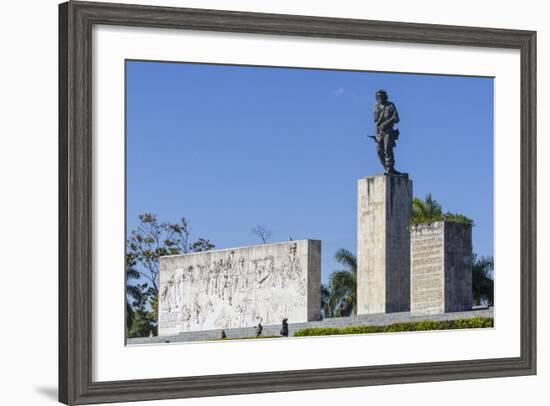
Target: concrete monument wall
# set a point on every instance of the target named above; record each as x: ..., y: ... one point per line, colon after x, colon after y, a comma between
x: 441, y: 267
x: 240, y: 287
x: 383, y: 244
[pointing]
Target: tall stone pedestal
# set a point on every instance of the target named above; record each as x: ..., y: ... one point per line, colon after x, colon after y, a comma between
x: 383, y: 244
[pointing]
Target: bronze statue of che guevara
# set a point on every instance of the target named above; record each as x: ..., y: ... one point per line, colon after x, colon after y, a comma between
x: 385, y: 116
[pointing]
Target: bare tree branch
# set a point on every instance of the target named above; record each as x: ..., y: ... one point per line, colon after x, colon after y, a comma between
x: 262, y: 232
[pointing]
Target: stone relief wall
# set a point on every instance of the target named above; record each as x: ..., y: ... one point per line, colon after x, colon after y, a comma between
x: 240, y: 287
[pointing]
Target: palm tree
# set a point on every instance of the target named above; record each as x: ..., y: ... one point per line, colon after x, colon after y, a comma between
x: 326, y: 311
x: 426, y: 209
x: 342, y: 300
x: 482, y: 281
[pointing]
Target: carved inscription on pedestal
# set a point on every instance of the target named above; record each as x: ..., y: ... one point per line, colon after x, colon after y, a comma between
x: 427, y: 268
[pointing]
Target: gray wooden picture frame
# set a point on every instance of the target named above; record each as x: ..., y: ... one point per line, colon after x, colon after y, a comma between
x: 76, y: 20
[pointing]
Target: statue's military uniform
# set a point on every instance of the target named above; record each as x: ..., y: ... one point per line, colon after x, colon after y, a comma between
x: 385, y: 116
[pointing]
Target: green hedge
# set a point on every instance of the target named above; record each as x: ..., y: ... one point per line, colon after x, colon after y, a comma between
x: 477, y: 322
x: 451, y: 217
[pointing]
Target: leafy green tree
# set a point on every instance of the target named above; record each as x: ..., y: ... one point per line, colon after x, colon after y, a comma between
x: 483, y: 280
x: 141, y: 324
x: 152, y: 240
x: 147, y: 243
x: 133, y: 295
x: 153, y: 315
x: 342, y: 298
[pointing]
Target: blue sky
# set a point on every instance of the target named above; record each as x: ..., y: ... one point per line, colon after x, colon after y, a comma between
x: 231, y: 147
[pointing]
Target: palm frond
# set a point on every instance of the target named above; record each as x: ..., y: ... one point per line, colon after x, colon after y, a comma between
x: 346, y: 258
x: 341, y: 281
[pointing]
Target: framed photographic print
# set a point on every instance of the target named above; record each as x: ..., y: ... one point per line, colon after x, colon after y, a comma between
x: 242, y: 192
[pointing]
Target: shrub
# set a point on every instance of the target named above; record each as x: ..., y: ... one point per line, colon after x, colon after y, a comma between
x: 451, y: 217
x: 424, y: 325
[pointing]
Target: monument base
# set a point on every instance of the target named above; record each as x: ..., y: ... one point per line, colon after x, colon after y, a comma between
x: 383, y: 243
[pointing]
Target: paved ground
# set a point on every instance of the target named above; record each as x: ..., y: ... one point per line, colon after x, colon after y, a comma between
x: 273, y: 330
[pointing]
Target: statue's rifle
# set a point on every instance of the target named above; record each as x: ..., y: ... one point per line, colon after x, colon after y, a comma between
x: 373, y: 137
x: 395, y: 135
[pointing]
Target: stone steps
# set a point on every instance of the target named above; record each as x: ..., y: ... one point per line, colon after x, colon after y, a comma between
x: 381, y: 319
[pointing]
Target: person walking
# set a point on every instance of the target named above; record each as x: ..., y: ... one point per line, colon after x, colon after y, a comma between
x: 259, y: 329
x: 284, y: 329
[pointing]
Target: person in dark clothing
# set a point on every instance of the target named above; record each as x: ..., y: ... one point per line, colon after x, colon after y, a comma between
x: 224, y: 336
x: 259, y: 329
x: 284, y: 329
